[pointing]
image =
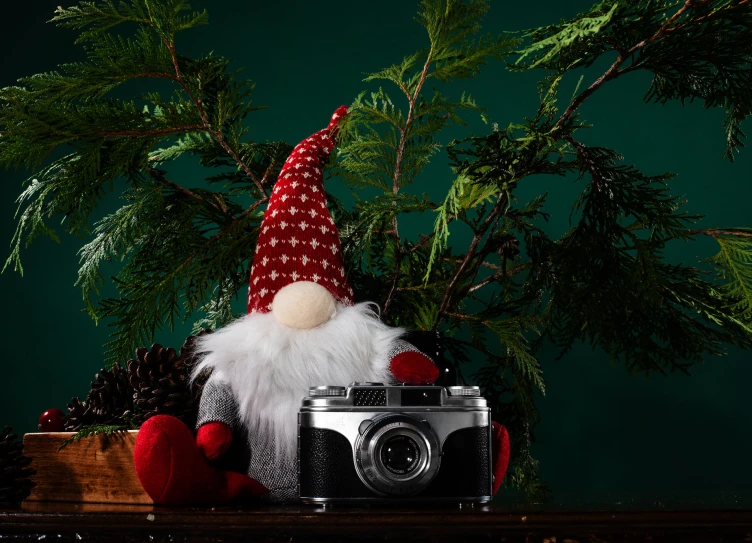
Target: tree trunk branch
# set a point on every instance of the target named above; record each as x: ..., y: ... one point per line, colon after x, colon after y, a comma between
x: 216, y: 134
x: 485, y: 227
x: 396, y: 181
x: 613, y: 71
x: 155, y: 132
x: 717, y: 232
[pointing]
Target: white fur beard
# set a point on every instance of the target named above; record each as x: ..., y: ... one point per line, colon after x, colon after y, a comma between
x: 270, y: 366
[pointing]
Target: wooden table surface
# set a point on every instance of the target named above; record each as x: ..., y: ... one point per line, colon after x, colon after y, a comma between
x: 92, y: 522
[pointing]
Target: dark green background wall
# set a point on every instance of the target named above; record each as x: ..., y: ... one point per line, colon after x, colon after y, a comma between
x: 602, y: 430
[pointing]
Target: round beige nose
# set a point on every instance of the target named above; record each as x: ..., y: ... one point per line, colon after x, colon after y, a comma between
x: 303, y: 305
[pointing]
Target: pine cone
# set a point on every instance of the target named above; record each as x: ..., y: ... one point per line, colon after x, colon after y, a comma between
x: 108, y: 401
x: 15, y: 482
x: 79, y: 415
x: 160, y: 380
x: 111, y: 395
x: 509, y: 247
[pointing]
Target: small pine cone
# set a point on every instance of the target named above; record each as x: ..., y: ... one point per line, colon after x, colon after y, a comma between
x: 78, y: 416
x: 509, y: 247
x: 160, y: 380
x: 111, y: 395
x: 15, y: 476
x: 108, y: 401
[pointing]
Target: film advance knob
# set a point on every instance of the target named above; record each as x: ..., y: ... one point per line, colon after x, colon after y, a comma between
x: 464, y: 391
x: 316, y: 392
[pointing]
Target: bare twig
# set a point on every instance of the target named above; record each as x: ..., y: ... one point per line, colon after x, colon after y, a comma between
x: 423, y: 240
x: 717, y: 232
x: 152, y: 75
x: 485, y: 227
x: 496, y: 276
x: 688, y: 4
x: 459, y: 316
x: 485, y: 264
x: 609, y: 74
x: 705, y: 17
x: 268, y: 171
x: 155, y: 132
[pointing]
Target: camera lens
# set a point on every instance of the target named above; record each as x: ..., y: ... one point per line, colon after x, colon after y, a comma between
x: 397, y: 454
x: 400, y: 455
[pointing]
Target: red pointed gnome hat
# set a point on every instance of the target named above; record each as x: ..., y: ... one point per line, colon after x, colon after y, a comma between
x: 298, y: 240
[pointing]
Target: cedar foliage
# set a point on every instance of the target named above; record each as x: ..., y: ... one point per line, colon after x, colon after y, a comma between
x: 604, y: 282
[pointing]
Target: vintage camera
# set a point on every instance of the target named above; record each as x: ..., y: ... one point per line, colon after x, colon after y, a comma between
x: 373, y: 443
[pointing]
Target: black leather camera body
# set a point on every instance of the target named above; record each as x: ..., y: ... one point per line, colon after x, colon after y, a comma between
x: 373, y: 443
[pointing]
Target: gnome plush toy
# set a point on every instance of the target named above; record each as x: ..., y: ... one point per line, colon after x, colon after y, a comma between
x: 303, y: 328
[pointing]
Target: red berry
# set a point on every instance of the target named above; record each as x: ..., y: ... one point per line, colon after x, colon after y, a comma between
x: 51, y: 421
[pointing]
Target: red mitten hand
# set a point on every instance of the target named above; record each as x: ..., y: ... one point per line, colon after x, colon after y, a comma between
x: 500, y: 447
x: 214, y: 439
x: 414, y: 368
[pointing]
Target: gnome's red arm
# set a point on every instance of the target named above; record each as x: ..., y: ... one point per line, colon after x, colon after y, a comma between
x: 214, y: 440
x: 411, y: 366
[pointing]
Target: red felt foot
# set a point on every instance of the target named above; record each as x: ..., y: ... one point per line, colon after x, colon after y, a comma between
x: 173, y: 470
x: 214, y: 440
x: 501, y: 449
x: 414, y: 368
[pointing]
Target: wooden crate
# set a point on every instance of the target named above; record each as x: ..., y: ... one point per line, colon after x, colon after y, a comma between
x: 97, y: 469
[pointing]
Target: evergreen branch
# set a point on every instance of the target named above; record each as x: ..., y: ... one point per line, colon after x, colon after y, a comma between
x: 396, y: 180
x: 611, y: 73
x: 706, y: 17
x: 150, y: 133
x: 159, y: 175
x: 717, y: 232
x: 216, y: 134
x: 496, y: 277
x: 688, y: 4
x: 221, y: 234
x: 150, y: 292
x: 489, y: 221
x: 734, y: 262
x: 217, y: 312
x: 109, y: 430
x: 679, y: 72
x: 114, y: 236
x: 568, y: 35
x: 463, y: 196
x: 101, y: 17
x: 423, y: 240
x: 511, y: 333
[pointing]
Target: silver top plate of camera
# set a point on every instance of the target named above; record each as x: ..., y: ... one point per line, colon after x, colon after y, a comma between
x: 364, y: 396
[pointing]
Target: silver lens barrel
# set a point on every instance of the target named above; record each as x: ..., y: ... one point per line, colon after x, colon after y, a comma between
x: 417, y: 460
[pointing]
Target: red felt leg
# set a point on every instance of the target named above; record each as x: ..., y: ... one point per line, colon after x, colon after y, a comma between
x: 501, y: 449
x: 173, y: 471
x: 414, y: 368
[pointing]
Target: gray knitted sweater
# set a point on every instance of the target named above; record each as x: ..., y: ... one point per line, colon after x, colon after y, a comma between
x: 218, y: 405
